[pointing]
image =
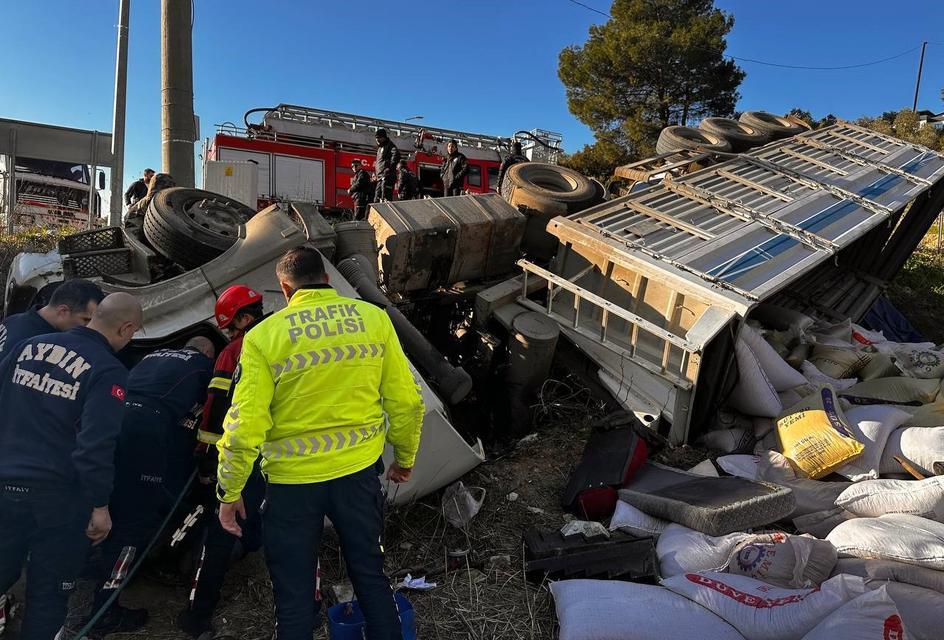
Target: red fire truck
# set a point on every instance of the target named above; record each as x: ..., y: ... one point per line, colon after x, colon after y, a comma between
x: 304, y: 154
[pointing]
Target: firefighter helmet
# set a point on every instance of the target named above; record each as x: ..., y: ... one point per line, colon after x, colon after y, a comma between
x: 231, y: 301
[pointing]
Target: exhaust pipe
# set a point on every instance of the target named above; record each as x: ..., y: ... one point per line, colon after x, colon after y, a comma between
x: 453, y: 383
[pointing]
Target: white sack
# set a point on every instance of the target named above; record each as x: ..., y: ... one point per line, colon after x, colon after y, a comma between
x: 873, y: 498
x: 922, y: 610
x: 866, y: 336
x: 920, y: 363
x: 819, y: 379
x: 725, y: 441
x: 628, y: 518
x: 820, y: 523
x: 899, y: 537
x: 781, y: 375
x: 753, y: 394
x: 811, y: 495
x: 683, y: 550
x: 787, y: 561
x: 761, y: 611
x: 871, y: 425
x: 742, y: 466
x: 889, y: 348
x: 614, y: 610
x: 921, y: 446
x: 871, y: 616
x: 881, y: 571
x: 704, y: 468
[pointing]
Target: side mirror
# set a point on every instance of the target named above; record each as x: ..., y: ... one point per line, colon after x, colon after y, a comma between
x: 101, y: 179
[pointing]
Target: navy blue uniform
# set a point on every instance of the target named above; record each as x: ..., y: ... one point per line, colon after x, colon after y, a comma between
x: 63, y: 398
x: 21, y: 326
x: 155, y: 452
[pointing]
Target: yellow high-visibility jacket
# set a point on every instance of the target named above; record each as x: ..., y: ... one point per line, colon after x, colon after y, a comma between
x: 313, y: 386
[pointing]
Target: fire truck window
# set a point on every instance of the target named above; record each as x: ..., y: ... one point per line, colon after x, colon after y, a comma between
x: 475, y: 175
x: 493, y: 178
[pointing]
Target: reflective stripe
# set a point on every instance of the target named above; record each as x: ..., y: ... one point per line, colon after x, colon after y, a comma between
x: 299, y: 361
x: 223, y: 384
x: 326, y: 443
x: 208, y: 437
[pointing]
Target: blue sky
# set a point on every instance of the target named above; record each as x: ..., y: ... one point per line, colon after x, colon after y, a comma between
x: 488, y: 66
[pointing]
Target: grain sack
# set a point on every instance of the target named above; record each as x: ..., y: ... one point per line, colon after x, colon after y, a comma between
x: 742, y: 466
x: 736, y: 440
x: 871, y: 616
x: 889, y: 348
x: 799, y: 354
x: 683, y: 550
x: 873, y: 498
x: 898, y: 537
x: 880, y: 571
x: 820, y: 523
x: 838, y: 362
x: 866, y: 336
x: 871, y: 425
x: 633, y: 521
x: 880, y: 366
x: 705, y: 468
x: 920, y: 363
x: 614, y: 610
x: 781, y: 375
x: 788, y: 561
x: 815, y: 436
x: 927, y: 415
x: 811, y: 495
x: 761, y: 611
x: 921, y: 446
x: 897, y: 390
x: 819, y: 379
x: 922, y: 610
x: 753, y: 394
x: 839, y: 334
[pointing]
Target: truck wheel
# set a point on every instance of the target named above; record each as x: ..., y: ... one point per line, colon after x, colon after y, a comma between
x: 776, y: 126
x: 741, y: 136
x: 548, y: 187
x: 676, y: 138
x: 192, y: 226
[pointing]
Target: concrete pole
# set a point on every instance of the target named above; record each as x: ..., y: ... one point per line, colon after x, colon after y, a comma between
x: 11, y: 182
x: 118, y: 117
x: 177, y: 124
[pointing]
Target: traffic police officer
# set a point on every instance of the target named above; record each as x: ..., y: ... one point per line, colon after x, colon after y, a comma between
x: 71, y: 305
x: 317, y: 383
x: 63, y: 397
x: 238, y: 309
x: 153, y: 463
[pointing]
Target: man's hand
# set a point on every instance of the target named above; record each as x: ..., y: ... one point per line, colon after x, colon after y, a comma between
x: 99, y: 525
x: 398, y: 474
x: 228, y: 513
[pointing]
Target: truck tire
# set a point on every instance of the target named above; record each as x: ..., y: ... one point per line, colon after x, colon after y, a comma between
x: 776, y: 126
x: 741, y: 136
x: 548, y: 187
x: 676, y: 138
x: 192, y: 226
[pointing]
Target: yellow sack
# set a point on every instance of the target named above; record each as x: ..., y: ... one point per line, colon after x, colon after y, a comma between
x: 815, y: 437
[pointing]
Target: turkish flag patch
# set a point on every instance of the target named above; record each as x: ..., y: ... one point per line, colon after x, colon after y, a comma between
x: 118, y: 392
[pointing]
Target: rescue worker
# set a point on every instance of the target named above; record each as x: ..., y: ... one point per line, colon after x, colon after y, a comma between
x: 139, y: 188
x: 361, y: 190
x: 71, y: 305
x: 63, y: 397
x: 153, y: 462
x: 513, y: 158
x: 320, y: 427
x: 454, y: 169
x: 408, y: 186
x: 238, y: 309
x: 385, y: 166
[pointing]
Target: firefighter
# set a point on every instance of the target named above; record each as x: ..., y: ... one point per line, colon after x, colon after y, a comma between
x: 513, y: 158
x: 454, y: 169
x: 71, y: 305
x: 320, y: 427
x: 385, y: 166
x: 238, y: 309
x: 408, y: 186
x: 153, y: 462
x: 138, y: 188
x: 361, y: 190
x: 63, y: 397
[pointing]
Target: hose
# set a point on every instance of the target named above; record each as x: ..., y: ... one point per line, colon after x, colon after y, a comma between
x: 451, y: 382
x: 256, y: 110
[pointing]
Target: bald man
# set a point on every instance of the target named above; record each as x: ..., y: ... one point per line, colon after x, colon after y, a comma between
x: 63, y: 398
x: 166, y: 392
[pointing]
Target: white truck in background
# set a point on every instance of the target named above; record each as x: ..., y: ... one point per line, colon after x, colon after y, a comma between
x: 51, y: 194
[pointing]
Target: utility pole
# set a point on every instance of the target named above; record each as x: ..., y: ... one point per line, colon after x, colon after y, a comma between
x: 118, y: 117
x: 177, y: 122
x: 918, y: 83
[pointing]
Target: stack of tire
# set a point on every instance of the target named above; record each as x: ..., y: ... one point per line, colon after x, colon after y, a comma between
x: 725, y: 135
x: 191, y: 226
x: 544, y: 191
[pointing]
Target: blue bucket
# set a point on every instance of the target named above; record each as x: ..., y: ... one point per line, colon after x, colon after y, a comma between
x: 346, y: 620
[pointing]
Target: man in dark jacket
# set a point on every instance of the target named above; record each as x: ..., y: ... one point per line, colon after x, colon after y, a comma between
x: 385, y: 166
x: 153, y: 463
x: 71, y: 305
x: 454, y: 169
x: 139, y: 188
x: 360, y: 190
x: 63, y: 398
x: 408, y: 186
x: 510, y: 160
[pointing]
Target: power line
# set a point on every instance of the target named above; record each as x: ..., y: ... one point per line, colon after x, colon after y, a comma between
x: 776, y: 64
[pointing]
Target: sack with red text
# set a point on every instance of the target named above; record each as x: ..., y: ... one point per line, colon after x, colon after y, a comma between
x: 872, y: 616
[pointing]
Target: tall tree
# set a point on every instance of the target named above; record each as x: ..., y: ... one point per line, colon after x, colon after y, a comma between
x: 905, y: 125
x: 653, y: 64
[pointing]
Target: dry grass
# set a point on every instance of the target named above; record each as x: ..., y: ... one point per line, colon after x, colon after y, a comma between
x: 39, y: 239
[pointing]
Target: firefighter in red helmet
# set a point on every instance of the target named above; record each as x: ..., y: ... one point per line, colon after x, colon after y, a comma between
x: 238, y: 309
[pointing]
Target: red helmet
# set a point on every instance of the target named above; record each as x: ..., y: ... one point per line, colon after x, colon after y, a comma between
x: 231, y: 301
